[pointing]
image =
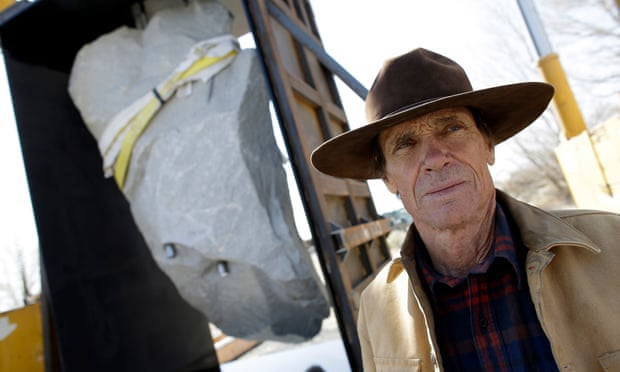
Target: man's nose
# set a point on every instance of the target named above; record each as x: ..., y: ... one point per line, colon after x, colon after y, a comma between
x: 436, y: 155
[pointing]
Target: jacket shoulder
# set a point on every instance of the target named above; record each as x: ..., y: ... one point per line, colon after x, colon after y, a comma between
x: 541, y: 229
x: 583, y: 213
x: 601, y: 227
x: 388, y: 284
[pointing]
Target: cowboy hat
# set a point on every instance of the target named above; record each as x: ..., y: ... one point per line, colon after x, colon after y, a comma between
x: 415, y: 84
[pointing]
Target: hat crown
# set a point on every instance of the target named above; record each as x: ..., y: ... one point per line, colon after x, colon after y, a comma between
x: 411, y: 79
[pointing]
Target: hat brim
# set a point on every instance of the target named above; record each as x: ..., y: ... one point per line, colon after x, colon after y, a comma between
x: 507, y: 109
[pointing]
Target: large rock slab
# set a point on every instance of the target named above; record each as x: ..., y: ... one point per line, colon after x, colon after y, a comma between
x: 206, y: 183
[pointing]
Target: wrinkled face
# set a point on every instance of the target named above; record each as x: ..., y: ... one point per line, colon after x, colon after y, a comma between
x: 438, y: 163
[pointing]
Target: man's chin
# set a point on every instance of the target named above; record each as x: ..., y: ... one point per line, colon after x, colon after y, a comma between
x: 448, y: 215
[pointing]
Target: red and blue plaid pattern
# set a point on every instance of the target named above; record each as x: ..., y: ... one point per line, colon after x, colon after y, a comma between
x: 486, y: 321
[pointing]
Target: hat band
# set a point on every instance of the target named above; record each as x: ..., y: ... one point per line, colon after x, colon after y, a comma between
x: 410, y: 106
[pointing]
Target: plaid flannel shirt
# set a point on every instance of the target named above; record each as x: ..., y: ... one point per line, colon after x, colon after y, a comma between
x: 486, y: 321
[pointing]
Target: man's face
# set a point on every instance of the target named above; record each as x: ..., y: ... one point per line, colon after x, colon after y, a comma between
x: 438, y: 163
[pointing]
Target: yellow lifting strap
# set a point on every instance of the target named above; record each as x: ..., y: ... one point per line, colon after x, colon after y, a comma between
x: 205, y: 59
x: 141, y: 120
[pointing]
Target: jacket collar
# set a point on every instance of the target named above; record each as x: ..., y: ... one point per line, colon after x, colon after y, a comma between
x: 541, y: 230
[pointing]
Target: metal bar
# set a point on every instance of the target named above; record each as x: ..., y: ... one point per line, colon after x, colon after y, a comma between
x: 318, y: 50
x: 322, y: 239
x: 535, y: 27
x: 567, y: 109
x: 13, y: 10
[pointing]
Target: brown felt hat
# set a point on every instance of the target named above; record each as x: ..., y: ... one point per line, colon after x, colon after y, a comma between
x: 415, y: 84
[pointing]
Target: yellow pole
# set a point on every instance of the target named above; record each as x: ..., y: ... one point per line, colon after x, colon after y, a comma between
x: 21, y: 340
x: 566, y: 107
x: 4, y: 4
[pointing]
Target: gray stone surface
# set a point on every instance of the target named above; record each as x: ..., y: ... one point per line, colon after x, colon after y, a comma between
x: 206, y: 178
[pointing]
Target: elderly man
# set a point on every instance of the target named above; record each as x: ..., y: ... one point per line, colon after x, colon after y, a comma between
x: 484, y: 282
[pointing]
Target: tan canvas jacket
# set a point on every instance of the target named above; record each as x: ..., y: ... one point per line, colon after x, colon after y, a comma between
x: 573, y: 270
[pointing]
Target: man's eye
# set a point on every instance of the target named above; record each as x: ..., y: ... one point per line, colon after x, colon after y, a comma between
x: 454, y: 128
x: 405, y: 144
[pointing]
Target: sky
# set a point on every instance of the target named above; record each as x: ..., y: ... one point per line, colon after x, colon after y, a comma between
x: 17, y: 228
x: 360, y: 35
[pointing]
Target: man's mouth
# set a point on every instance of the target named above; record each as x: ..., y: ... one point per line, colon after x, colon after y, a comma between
x: 444, y: 189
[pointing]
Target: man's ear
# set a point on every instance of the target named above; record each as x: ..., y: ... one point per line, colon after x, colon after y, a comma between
x: 491, y: 156
x: 390, y: 185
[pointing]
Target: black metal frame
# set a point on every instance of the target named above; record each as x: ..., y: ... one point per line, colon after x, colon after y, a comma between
x: 324, y: 240
x: 106, y: 305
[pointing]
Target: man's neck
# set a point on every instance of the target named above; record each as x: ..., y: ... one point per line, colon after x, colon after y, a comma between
x: 457, y: 250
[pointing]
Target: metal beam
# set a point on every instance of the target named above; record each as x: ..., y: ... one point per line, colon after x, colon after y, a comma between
x: 317, y: 50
